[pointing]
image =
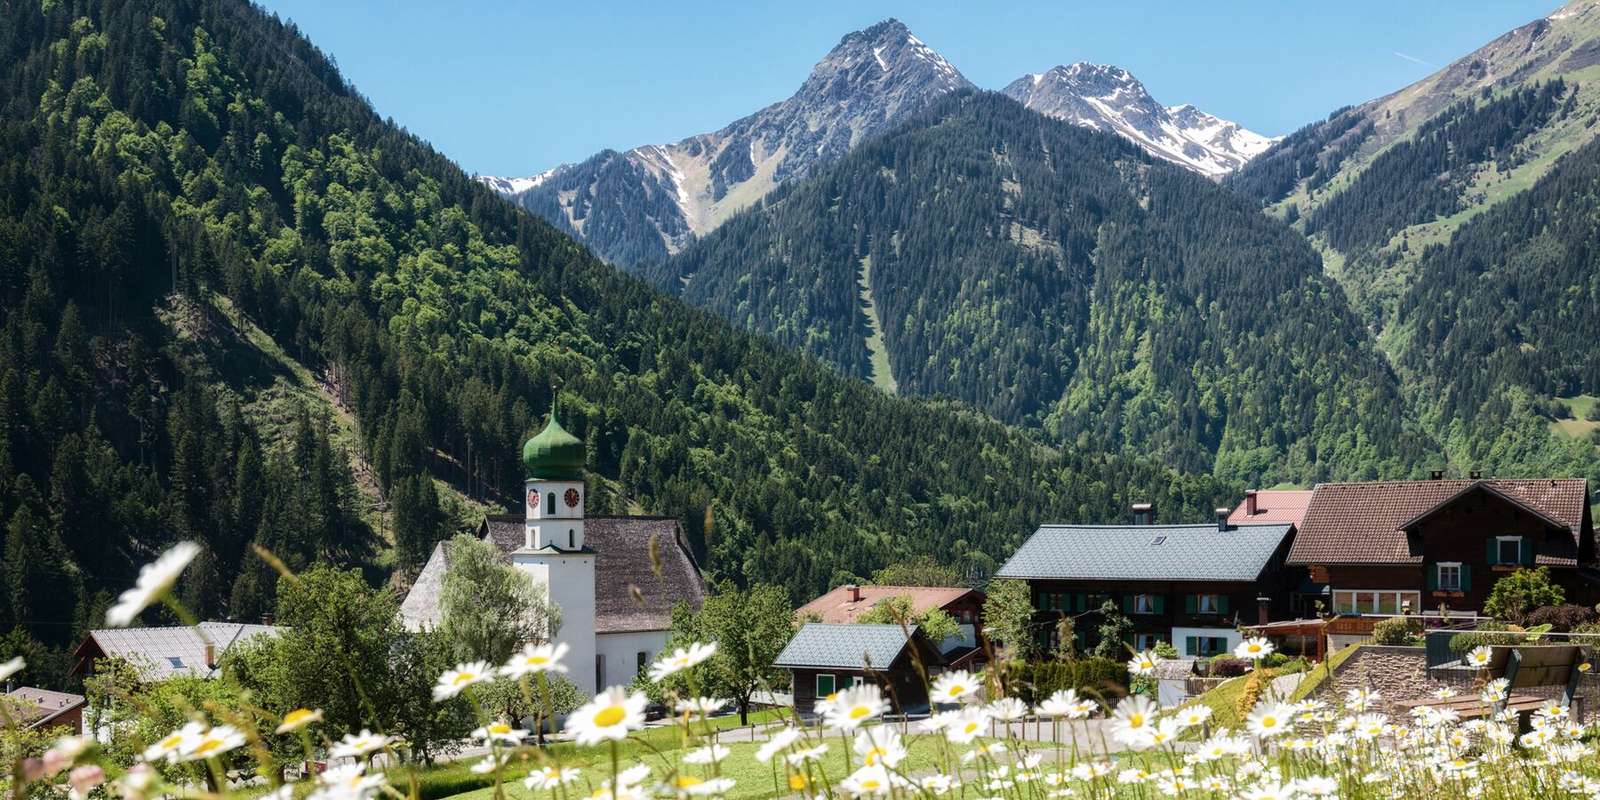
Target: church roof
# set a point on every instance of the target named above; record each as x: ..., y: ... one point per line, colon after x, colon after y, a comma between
x: 622, y: 564
x: 553, y: 453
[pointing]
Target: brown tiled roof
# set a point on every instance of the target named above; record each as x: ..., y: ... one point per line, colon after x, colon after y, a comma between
x: 1362, y: 523
x: 1274, y: 505
x: 622, y: 563
x: 39, y: 706
x: 836, y: 606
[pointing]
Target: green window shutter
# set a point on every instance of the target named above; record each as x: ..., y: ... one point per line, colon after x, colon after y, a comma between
x: 1466, y: 577
x: 1494, y: 550
x: 1191, y: 645
x: 1161, y: 604
x: 1525, y: 549
x: 1189, y: 603
x: 1432, y: 571
x: 1127, y: 603
x: 1222, y: 604
x: 1078, y: 602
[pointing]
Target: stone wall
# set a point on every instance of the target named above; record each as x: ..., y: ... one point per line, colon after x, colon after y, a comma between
x: 1401, y: 673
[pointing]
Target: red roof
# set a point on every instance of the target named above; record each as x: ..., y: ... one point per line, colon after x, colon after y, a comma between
x: 1364, y: 523
x: 1273, y: 505
x: 838, y: 606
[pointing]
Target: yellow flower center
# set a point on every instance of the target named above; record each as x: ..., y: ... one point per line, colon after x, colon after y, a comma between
x: 871, y: 756
x: 172, y: 740
x: 208, y: 746
x: 870, y: 784
x: 797, y: 781
x: 499, y: 727
x: 1136, y: 721
x: 609, y: 716
x: 685, y: 781
x: 537, y: 661
x: 297, y: 716
x: 970, y: 727
x: 464, y: 677
x: 957, y: 689
x: 831, y: 696
x: 859, y: 711
x: 1269, y: 722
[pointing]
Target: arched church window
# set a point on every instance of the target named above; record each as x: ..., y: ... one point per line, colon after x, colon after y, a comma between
x: 571, y: 540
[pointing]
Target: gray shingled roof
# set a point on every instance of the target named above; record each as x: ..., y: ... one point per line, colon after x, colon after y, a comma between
x: 844, y: 646
x: 622, y: 563
x: 1132, y: 552
x: 161, y: 653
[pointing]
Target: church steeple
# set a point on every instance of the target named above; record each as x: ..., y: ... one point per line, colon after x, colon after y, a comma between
x: 553, y: 460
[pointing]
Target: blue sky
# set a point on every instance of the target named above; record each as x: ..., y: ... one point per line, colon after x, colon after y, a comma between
x: 511, y: 88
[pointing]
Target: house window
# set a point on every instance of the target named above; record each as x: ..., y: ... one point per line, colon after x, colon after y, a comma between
x: 1208, y: 604
x: 1146, y: 604
x: 1364, y: 601
x: 1145, y: 641
x: 846, y: 681
x: 825, y: 684
x: 177, y: 663
x: 1205, y: 646
x: 1449, y: 576
x: 1506, y: 550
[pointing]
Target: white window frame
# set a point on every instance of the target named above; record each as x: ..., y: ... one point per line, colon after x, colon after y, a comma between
x: 816, y: 684
x: 1439, y: 582
x: 1146, y: 641
x: 1202, y: 606
x: 1368, y: 601
x: 1499, y: 552
x: 1144, y: 604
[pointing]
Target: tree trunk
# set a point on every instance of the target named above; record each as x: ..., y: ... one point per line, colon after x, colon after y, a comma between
x: 744, y: 711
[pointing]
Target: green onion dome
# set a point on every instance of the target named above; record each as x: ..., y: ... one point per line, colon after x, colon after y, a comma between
x: 554, y: 454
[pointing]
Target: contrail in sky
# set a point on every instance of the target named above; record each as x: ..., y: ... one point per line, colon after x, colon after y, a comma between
x: 1415, y: 60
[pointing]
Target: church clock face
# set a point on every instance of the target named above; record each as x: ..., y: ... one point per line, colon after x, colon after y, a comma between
x: 533, y: 500
x: 571, y: 498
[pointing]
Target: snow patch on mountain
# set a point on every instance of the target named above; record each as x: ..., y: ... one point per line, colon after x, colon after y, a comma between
x: 1108, y: 98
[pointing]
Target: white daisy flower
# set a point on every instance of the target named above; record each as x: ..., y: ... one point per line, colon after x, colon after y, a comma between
x: 1190, y: 716
x: 608, y: 717
x: 873, y: 781
x: 855, y: 706
x: 967, y: 725
x: 799, y: 757
x: 778, y: 742
x: 681, y: 659
x: 1480, y: 656
x: 536, y: 658
x: 212, y: 743
x: 694, y: 786
x: 454, y: 680
x: 954, y: 687
x: 1143, y: 663
x: 500, y: 732
x: 1008, y: 709
x: 488, y: 764
x: 299, y: 718
x: 880, y: 745
x: 347, y: 782
x: 360, y: 745
x: 1253, y: 649
x: 155, y: 580
x: 710, y: 754
x: 168, y: 747
x: 1271, y: 720
x: 550, y: 777
x: 701, y: 706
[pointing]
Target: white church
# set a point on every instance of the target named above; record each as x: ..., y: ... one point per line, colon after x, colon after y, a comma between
x: 615, y: 608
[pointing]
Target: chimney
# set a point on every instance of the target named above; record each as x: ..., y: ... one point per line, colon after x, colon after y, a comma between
x: 1222, y: 520
x: 1250, y: 502
x: 1143, y: 513
x: 1437, y: 475
x: 268, y: 619
x: 854, y: 591
x: 1475, y: 475
x: 1263, y: 610
x: 211, y: 656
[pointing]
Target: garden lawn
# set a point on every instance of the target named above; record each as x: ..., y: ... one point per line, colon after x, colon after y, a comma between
x: 754, y: 779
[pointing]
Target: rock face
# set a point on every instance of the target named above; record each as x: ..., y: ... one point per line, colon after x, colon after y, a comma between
x: 646, y: 203
x: 1107, y: 98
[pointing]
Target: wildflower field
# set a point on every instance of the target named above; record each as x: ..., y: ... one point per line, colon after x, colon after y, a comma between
x: 970, y: 748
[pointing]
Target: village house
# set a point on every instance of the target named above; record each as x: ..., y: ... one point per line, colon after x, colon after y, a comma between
x: 1388, y: 547
x: 847, y: 603
x: 167, y: 652
x: 1191, y: 585
x: 824, y: 658
x: 39, y: 709
x: 616, y: 607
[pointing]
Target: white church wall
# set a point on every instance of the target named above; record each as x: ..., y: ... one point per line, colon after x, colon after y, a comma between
x: 569, y: 578
x: 620, y: 653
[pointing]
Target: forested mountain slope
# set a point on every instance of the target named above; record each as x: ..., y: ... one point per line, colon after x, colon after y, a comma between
x: 1455, y: 214
x: 1061, y: 278
x: 194, y: 204
x: 1375, y: 184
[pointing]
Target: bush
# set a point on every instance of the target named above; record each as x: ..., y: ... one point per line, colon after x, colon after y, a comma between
x: 1166, y: 650
x: 1488, y: 633
x: 1229, y: 667
x: 1562, y: 618
x: 1521, y: 592
x: 1095, y: 677
x: 1396, y: 631
x: 1251, y: 693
